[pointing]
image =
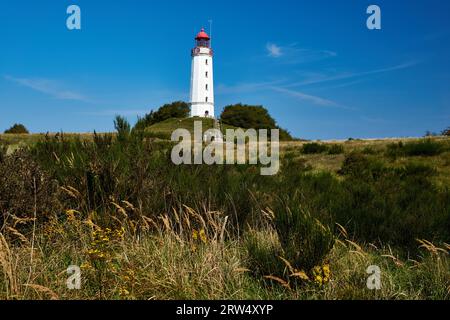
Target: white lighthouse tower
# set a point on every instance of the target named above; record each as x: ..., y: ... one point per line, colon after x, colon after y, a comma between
x: 202, y: 84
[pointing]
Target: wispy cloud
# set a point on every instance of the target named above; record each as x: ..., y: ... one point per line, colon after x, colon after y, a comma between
x: 273, y: 50
x: 50, y: 87
x: 311, y: 98
x: 285, y: 87
x: 321, y: 78
x: 276, y: 86
x: 292, y: 54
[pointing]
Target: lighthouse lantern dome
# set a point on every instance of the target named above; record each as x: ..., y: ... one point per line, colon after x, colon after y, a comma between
x: 202, y: 39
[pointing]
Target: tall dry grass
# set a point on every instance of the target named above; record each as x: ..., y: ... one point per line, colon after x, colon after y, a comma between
x: 185, y: 256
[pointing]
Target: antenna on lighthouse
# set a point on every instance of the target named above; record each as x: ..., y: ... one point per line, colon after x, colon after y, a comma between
x: 210, y: 30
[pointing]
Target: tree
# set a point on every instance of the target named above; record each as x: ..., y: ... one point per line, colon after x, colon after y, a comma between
x: 17, y: 128
x: 177, y: 109
x: 247, y: 117
x: 446, y: 132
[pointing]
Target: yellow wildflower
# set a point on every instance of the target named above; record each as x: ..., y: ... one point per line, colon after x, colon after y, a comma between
x: 321, y: 274
x: 123, y: 292
x: 86, y: 266
x: 194, y: 234
x: 203, y: 236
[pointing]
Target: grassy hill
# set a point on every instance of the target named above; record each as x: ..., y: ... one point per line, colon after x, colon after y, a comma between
x: 165, y: 128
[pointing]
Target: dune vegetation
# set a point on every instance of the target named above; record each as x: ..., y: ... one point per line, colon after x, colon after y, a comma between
x: 140, y: 227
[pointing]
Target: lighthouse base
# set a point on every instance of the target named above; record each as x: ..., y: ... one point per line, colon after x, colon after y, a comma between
x: 204, y: 110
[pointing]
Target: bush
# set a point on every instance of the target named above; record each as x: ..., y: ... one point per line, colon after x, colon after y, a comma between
x: 298, y: 238
x: 314, y: 148
x: 122, y: 127
x: 393, y: 205
x: 335, y: 149
x: 424, y: 147
x: 358, y: 165
x: 17, y: 129
x: 305, y: 241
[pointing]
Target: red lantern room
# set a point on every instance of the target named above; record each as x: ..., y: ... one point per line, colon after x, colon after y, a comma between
x: 203, y: 40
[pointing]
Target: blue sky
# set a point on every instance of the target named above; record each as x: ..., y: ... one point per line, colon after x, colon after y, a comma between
x: 314, y: 64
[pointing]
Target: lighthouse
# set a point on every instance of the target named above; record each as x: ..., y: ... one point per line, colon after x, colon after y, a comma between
x: 202, y: 84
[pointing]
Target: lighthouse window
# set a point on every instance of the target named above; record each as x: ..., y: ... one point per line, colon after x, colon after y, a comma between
x: 206, y: 87
x: 206, y: 74
x: 206, y: 99
x: 206, y: 61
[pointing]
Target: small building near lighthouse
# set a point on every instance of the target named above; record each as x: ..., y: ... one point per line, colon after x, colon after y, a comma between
x: 202, y: 81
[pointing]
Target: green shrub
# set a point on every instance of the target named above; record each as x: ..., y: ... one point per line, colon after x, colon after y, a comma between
x: 17, y: 129
x: 300, y: 239
x: 424, y: 147
x: 393, y: 205
x: 335, y: 149
x: 305, y: 241
x: 359, y: 165
x: 313, y: 148
x: 123, y: 128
